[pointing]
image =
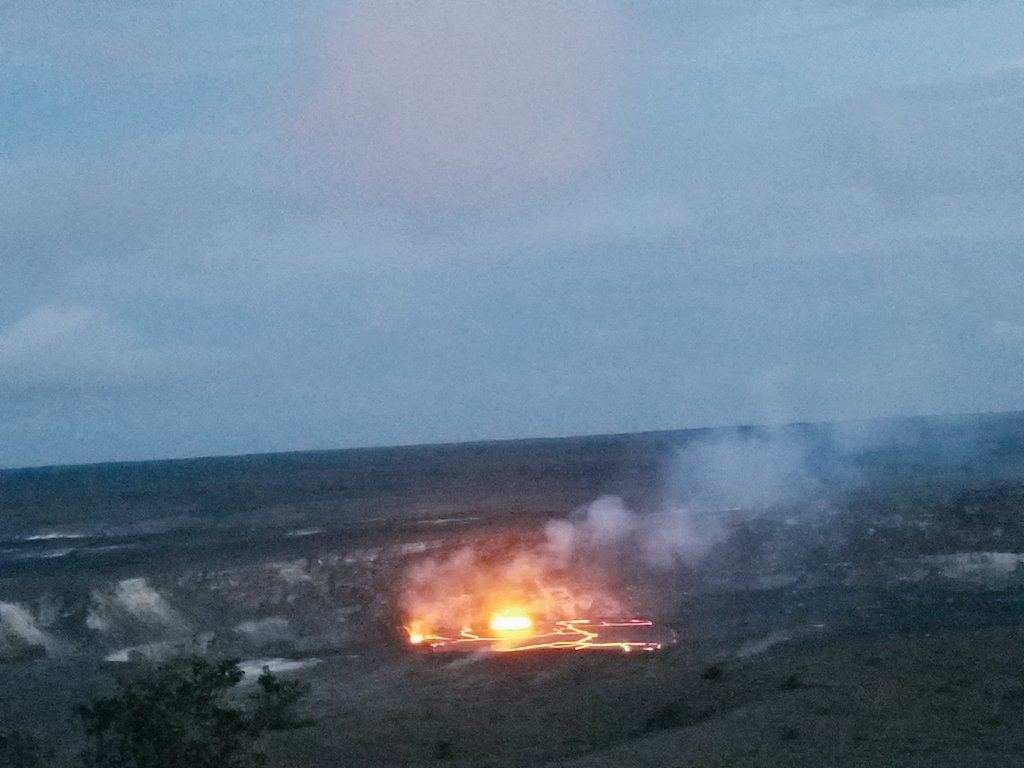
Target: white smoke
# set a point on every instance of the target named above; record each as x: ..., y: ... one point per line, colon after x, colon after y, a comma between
x: 739, y: 469
x: 679, y: 536
x: 17, y: 624
x: 663, y: 539
x: 709, y: 482
x: 133, y: 599
x: 458, y: 588
x: 274, y: 629
x: 714, y: 486
x: 605, y: 521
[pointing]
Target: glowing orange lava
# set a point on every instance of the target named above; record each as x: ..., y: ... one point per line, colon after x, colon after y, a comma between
x: 510, y: 623
x: 506, y: 595
x: 511, y: 634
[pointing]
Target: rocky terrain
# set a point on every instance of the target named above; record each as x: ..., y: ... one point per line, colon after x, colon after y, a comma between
x: 881, y: 606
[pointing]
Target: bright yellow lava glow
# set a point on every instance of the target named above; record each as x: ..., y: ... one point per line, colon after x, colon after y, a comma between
x: 514, y: 631
x: 507, y: 622
x: 417, y: 633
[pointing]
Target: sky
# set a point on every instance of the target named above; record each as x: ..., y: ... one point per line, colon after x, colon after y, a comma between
x: 241, y: 227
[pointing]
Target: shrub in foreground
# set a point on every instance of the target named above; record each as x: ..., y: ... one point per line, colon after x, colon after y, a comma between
x: 182, y: 714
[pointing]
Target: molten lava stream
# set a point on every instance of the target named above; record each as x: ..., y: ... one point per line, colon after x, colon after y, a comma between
x: 515, y: 592
x: 512, y: 632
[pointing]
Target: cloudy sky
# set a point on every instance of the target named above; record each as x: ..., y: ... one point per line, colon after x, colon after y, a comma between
x: 235, y: 227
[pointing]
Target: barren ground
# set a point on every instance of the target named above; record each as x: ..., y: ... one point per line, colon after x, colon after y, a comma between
x: 946, y: 699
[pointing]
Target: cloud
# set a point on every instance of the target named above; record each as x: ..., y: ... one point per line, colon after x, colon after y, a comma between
x: 507, y: 218
x: 956, y: 137
x: 1005, y: 333
x: 463, y: 103
x: 1006, y: 65
x: 77, y: 348
x: 115, y: 203
x: 893, y: 172
x: 155, y: 44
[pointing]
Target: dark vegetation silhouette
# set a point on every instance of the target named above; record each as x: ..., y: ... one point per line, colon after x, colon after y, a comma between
x: 22, y: 750
x: 275, y: 703
x: 186, y: 714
